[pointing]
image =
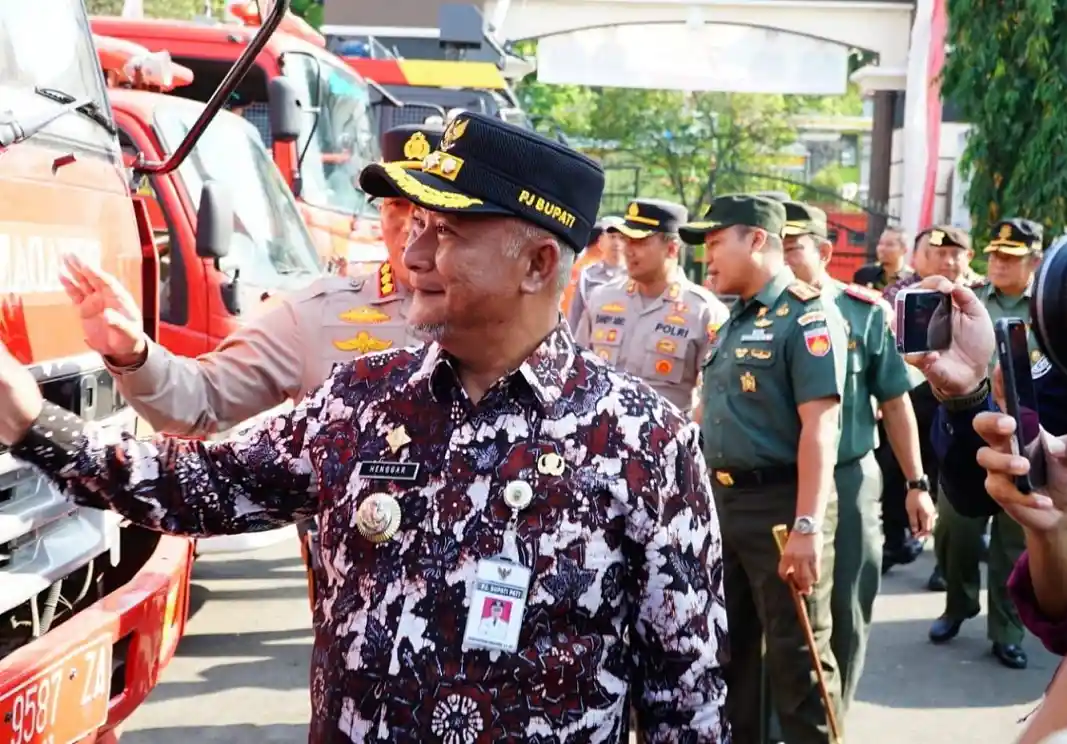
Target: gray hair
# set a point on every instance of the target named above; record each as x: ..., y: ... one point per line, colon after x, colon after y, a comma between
x: 525, y: 232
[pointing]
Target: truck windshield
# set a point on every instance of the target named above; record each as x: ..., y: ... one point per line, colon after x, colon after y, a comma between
x: 270, y: 244
x: 47, y: 44
x: 343, y: 139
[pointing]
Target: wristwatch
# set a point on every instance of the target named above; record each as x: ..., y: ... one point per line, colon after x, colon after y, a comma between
x: 961, y: 403
x: 805, y: 526
x: 922, y: 483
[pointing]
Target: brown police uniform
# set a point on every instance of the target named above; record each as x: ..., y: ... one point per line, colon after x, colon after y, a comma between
x: 287, y: 351
x: 659, y: 339
x: 280, y: 355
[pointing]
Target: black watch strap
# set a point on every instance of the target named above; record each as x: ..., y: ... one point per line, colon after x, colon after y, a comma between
x: 922, y: 483
x: 966, y: 402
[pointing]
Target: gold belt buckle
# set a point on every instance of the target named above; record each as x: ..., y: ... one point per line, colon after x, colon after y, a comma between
x: 724, y: 478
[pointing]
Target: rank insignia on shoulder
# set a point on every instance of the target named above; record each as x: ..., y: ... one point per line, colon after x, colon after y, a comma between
x: 362, y: 315
x: 386, y: 281
x: 815, y: 316
x: 782, y: 311
x: 863, y: 294
x: 803, y: 291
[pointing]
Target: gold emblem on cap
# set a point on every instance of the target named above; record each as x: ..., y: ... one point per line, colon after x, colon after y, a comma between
x: 937, y: 237
x: 455, y: 130
x: 632, y: 210
x: 378, y: 518
x: 1005, y: 232
x: 417, y: 147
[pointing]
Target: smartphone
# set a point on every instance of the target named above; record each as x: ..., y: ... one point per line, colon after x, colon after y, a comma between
x: 924, y: 320
x: 1020, y: 398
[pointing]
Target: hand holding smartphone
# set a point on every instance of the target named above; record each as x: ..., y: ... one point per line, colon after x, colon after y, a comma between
x: 1020, y: 399
x: 923, y: 320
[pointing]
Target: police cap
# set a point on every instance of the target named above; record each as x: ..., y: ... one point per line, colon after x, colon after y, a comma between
x: 804, y: 219
x: 1016, y: 237
x: 487, y: 166
x: 605, y: 223
x: 945, y: 236
x: 736, y: 209
x: 647, y: 216
x: 409, y: 144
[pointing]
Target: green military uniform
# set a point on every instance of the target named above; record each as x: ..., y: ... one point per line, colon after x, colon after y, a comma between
x: 779, y: 349
x: 876, y: 373
x: 958, y: 538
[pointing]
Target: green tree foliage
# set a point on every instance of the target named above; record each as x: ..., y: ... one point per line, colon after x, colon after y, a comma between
x: 152, y: 8
x: 310, y: 10
x: 1007, y: 72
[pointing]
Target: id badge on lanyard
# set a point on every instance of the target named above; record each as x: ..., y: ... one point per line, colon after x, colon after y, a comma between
x: 502, y: 584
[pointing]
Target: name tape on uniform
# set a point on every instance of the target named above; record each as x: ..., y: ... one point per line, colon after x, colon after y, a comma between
x: 391, y: 471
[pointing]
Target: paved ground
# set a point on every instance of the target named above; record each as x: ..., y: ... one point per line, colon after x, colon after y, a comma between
x: 233, y: 684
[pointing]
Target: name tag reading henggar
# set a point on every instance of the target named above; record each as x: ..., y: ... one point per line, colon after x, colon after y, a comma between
x: 389, y: 471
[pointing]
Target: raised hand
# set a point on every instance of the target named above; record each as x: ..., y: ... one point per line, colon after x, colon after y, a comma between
x: 110, y: 317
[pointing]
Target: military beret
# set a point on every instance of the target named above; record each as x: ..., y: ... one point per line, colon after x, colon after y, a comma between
x: 409, y: 144
x: 945, y: 235
x: 605, y: 223
x: 485, y: 166
x: 1016, y: 237
x: 647, y: 216
x: 804, y: 219
x: 736, y: 209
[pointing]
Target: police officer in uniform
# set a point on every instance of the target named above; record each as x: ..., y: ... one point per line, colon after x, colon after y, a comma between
x: 654, y: 323
x: 773, y: 383
x: 280, y: 355
x: 876, y: 372
x: 605, y: 246
x: 891, y: 265
x: 1014, y: 252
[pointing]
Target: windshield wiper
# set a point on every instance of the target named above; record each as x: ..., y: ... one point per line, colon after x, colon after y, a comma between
x: 20, y: 131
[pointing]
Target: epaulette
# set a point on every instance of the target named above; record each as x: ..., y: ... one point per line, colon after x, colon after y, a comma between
x: 863, y: 294
x: 803, y: 291
x: 327, y: 285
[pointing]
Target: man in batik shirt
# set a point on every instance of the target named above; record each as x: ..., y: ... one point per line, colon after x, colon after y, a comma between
x: 499, y: 469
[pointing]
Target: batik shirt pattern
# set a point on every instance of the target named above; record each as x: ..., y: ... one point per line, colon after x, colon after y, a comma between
x: 624, y: 545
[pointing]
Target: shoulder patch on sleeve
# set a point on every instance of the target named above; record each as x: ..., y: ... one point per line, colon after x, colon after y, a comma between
x: 863, y: 294
x: 803, y: 291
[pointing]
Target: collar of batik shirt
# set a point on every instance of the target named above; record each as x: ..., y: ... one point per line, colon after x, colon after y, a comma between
x: 544, y: 372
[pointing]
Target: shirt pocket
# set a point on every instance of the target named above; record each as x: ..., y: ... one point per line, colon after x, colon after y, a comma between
x: 665, y: 359
x: 606, y: 342
x: 753, y: 365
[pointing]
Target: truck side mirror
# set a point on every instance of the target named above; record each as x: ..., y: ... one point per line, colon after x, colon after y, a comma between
x: 214, y: 222
x: 284, y: 110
